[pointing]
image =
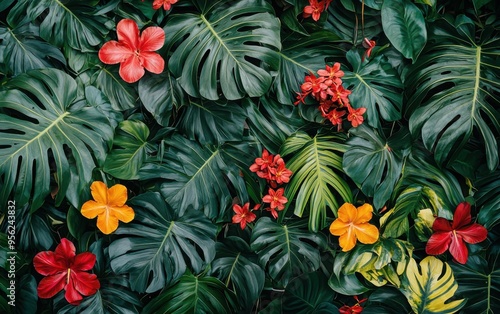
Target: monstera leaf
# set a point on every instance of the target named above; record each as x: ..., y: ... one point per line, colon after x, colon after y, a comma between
x: 222, y: 48
x: 194, y: 294
x: 159, y: 245
x: 375, y: 86
x: 301, y: 56
x: 286, y: 250
x: 453, y: 90
x: 429, y: 287
x: 488, y: 200
x: 122, y: 95
x: 45, y: 126
x: 317, y: 175
x: 375, y: 162
x: 237, y: 266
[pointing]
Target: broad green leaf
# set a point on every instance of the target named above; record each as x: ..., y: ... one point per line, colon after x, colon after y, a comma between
x: 301, y: 56
x: 23, y: 50
x: 26, y: 298
x: 237, y: 266
x: 404, y: 25
x: 387, y: 300
x: 5, y: 4
x: 375, y: 162
x: 347, y: 284
x: 122, y: 95
x: 51, y: 126
x: 221, y: 50
x: 286, y: 250
x: 479, y: 282
x: 488, y: 200
x: 375, y: 86
x: 194, y: 294
x: 159, y: 245
x: 77, y: 24
x: 317, y: 182
x: 453, y: 92
x: 429, y: 287
x: 33, y: 230
x: 130, y: 147
x: 160, y: 94
x: 211, y: 122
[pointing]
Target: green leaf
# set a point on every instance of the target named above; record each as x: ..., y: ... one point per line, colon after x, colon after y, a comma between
x: 26, y: 301
x: 347, y: 284
x: 376, y: 86
x: 429, y: 287
x: 130, y: 147
x: 159, y: 245
x: 159, y: 95
x: 387, y: 300
x: 286, y: 250
x: 317, y: 181
x: 237, y: 266
x: 33, y: 230
x: 23, y: 50
x: 221, y: 49
x: 479, y: 282
x: 453, y: 91
x: 404, y: 26
x: 211, y: 122
x: 193, y: 294
x: 373, y: 162
x: 301, y: 56
x: 122, y: 95
x: 488, y: 201
x: 51, y: 126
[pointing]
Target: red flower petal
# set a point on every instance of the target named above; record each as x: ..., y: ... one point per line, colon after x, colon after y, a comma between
x: 473, y: 234
x: 458, y: 249
x: 128, y: 33
x: 48, y: 263
x: 71, y: 295
x: 113, y: 52
x: 152, y: 61
x: 85, y: 283
x: 66, y: 249
x: 462, y: 215
x: 84, y: 261
x: 131, y: 70
x: 51, y: 285
x: 152, y: 39
x: 441, y: 225
x: 438, y: 243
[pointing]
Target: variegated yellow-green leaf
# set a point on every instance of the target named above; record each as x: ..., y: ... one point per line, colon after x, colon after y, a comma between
x: 429, y: 287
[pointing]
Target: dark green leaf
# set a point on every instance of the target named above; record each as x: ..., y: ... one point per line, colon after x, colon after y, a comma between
x: 122, y: 95
x: 488, y: 200
x: 387, y: 300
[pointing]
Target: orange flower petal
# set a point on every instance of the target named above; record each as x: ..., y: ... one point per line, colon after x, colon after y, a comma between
x: 364, y: 214
x: 99, y: 192
x: 107, y: 223
x: 91, y: 209
x: 123, y: 213
x: 117, y: 195
x: 131, y: 70
x: 366, y: 233
x: 347, y: 241
x: 347, y: 212
x: 338, y: 227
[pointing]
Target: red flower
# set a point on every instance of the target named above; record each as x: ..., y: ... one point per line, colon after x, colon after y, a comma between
x: 332, y: 73
x: 315, y: 8
x: 244, y: 214
x: 276, y: 199
x: 335, y: 116
x: 134, y: 53
x: 355, y: 115
x: 453, y: 235
x: 167, y: 4
x: 355, y: 309
x: 369, y: 45
x: 66, y: 270
x: 280, y: 172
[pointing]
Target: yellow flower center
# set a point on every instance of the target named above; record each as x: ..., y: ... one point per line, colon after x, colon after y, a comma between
x: 67, y: 277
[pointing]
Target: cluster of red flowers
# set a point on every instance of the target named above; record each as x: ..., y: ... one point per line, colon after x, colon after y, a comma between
x: 333, y: 98
x: 355, y: 309
x: 315, y: 8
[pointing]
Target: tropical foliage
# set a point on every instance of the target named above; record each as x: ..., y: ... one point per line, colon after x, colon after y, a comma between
x: 249, y: 156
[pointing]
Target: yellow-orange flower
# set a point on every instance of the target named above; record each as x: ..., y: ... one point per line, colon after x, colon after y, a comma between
x: 352, y: 224
x: 108, y: 206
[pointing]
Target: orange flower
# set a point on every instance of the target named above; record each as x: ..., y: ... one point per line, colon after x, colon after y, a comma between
x: 108, y: 206
x: 352, y: 224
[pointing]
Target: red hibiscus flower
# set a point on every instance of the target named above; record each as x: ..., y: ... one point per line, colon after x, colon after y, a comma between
x: 134, y: 53
x: 167, y: 4
x: 276, y: 200
x: 66, y: 270
x: 244, y: 214
x: 453, y: 235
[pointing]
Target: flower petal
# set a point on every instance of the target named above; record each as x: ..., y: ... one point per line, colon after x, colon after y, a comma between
x: 117, y: 195
x: 114, y: 52
x: 71, y: 295
x: 85, y: 283
x: 458, y: 249
x: 99, y: 192
x: 49, y: 263
x: 366, y: 233
x: 364, y: 214
x: 438, y: 243
x: 441, y: 225
x: 347, y: 212
x: 107, y: 223
x: 66, y: 249
x: 131, y: 70
x: 91, y: 209
x: 84, y: 261
x: 152, y: 39
x: 338, y: 227
x: 51, y: 285
x: 153, y: 62
x: 123, y: 213
x: 461, y: 217
x: 473, y: 234
x: 347, y: 241
x: 128, y: 33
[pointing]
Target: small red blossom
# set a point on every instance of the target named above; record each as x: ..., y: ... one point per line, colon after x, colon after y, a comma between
x: 243, y: 214
x: 272, y: 168
x: 315, y: 8
x: 167, y: 4
x: 134, y: 52
x: 280, y: 172
x: 333, y: 73
x: 453, y: 235
x: 276, y: 199
x: 369, y: 45
x: 355, y: 115
x: 355, y: 309
x: 64, y: 270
